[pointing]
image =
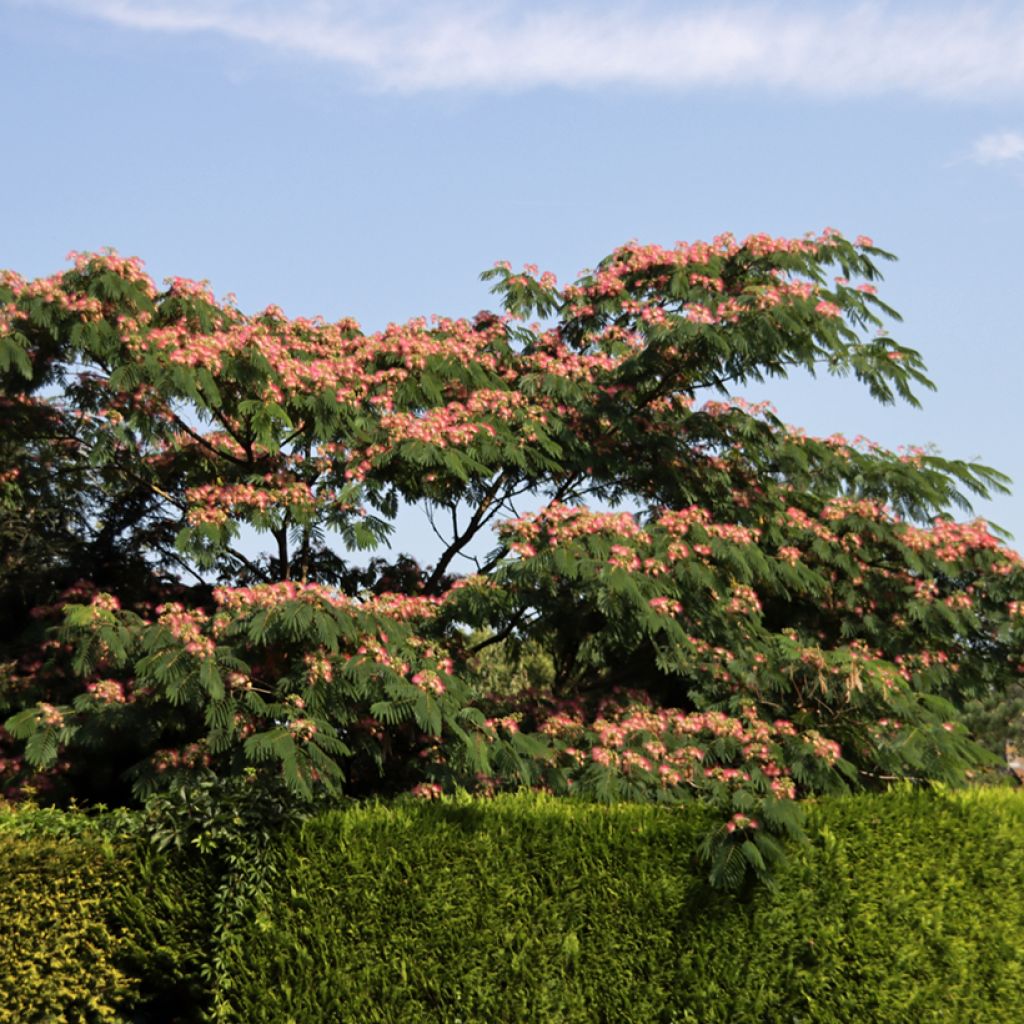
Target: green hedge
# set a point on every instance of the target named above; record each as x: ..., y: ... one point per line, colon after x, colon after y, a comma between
x: 97, y: 927
x: 906, y: 907
x: 519, y: 909
x: 909, y: 907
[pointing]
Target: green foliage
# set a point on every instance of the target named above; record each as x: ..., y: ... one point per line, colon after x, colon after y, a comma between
x: 907, y: 907
x: 99, y: 926
x: 505, y: 667
x: 516, y: 909
x: 162, y: 915
x: 901, y: 907
x: 210, y: 814
x: 795, y: 615
x: 904, y: 907
x: 59, y: 957
x: 230, y: 823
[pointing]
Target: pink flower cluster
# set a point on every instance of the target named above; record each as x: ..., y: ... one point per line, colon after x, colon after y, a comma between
x: 302, y: 729
x: 273, y: 595
x: 51, y: 716
x: 741, y: 821
x: 558, y: 523
x: 553, y: 356
x: 952, y: 541
x: 427, y: 791
x: 842, y: 508
x: 670, y: 747
x: 828, y: 750
x: 187, y: 625
x: 214, y: 503
x: 319, y: 670
x: 743, y: 601
x: 633, y: 266
x: 107, y: 691
x: 192, y: 755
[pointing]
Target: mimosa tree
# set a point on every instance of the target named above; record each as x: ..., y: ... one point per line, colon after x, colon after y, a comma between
x: 761, y: 613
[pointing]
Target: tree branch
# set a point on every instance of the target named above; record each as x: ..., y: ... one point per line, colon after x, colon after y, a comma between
x: 485, y: 511
x: 281, y: 536
x: 199, y: 439
x: 502, y: 634
x: 252, y: 566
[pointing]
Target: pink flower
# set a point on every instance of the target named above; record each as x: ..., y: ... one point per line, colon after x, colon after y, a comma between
x: 427, y: 791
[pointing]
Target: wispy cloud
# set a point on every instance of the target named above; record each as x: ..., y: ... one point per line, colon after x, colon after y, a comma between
x: 936, y: 49
x: 998, y: 147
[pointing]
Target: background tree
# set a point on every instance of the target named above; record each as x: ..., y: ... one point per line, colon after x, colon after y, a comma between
x: 762, y: 613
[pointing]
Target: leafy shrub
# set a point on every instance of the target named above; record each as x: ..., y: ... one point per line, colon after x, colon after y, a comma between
x: 905, y: 907
x: 530, y: 907
x: 97, y: 923
x: 58, y: 956
x: 162, y: 913
x: 908, y: 907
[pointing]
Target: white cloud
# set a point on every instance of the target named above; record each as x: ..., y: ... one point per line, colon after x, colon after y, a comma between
x: 933, y: 49
x: 998, y: 147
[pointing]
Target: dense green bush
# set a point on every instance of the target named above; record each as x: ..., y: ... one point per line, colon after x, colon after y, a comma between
x: 58, y: 954
x: 163, y: 914
x: 97, y: 925
x: 519, y: 909
x: 908, y: 907
x: 905, y: 907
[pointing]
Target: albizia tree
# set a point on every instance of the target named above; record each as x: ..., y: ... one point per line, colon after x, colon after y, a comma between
x: 775, y: 614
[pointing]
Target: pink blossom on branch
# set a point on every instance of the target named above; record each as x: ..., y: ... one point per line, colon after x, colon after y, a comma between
x: 772, y: 596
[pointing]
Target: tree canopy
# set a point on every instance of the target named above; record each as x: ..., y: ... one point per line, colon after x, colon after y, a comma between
x: 685, y: 598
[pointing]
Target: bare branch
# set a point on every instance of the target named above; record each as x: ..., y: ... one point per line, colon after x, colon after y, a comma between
x: 513, y: 624
x: 251, y: 566
x: 486, y: 511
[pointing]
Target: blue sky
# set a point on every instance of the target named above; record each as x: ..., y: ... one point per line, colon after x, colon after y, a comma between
x: 371, y: 159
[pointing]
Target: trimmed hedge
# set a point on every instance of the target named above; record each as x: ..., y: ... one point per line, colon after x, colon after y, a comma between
x: 516, y: 909
x: 908, y: 907
x: 163, y: 913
